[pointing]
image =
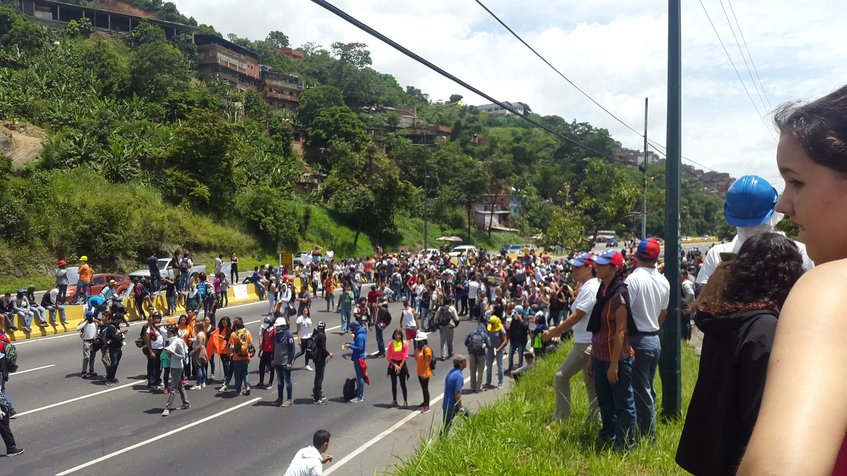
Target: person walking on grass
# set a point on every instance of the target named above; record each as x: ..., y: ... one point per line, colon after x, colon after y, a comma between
x: 452, y: 403
x: 177, y: 351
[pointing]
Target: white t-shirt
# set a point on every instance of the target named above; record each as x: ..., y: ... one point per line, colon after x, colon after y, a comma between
x: 305, y: 324
x: 160, y: 334
x: 649, y: 293
x: 407, y: 319
x: 473, y: 289
x: 584, y: 302
x: 713, y: 258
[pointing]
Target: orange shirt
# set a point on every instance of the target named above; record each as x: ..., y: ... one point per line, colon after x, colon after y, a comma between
x: 235, y: 337
x: 423, y: 358
x: 85, y: 273
x: 217, y: 344
x: 328, y: 284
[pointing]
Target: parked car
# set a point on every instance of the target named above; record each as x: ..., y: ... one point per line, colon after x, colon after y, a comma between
x: 462, y: 249
x: 98, y: 282
x: 166, y: 270
x: 429, y: 252
x: 612, y: 243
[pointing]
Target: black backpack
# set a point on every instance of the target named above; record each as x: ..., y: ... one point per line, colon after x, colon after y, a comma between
x: 444, y: 316
x: 349, y: 389
x: 312, y: 346
x: 11, y: 357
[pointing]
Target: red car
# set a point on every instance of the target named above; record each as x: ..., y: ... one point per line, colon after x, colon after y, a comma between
x: 98, y: 282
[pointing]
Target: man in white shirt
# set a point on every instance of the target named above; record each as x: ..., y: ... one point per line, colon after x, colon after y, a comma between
x: 583, y: 273
x: 649, y: 293
x: 309, y: 461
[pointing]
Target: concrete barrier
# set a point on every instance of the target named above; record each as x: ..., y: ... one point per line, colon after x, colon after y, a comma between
x: 236, y: 294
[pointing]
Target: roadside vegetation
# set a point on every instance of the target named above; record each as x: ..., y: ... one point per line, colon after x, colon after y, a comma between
x: 509, y: 436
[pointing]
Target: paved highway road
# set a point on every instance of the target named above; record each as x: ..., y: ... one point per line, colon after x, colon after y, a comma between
x: 73, y: 426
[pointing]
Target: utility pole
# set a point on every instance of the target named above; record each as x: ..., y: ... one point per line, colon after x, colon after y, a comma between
x: 669, y: 362
x: 644, y: 176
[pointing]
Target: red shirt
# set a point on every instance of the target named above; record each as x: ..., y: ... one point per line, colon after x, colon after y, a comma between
x: 374, y: 296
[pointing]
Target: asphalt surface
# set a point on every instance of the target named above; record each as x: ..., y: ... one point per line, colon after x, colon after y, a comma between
x: 67, y: 423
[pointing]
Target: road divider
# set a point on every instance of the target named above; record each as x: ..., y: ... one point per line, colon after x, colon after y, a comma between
x: 157, y: 438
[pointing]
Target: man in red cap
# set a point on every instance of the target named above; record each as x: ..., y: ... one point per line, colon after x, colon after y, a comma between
x: 649, y: 293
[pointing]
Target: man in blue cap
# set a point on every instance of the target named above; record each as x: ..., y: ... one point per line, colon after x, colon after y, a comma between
x: 749, y: 207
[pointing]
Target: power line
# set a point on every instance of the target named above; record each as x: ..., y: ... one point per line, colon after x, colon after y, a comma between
x: 367, y: 29
x: 653, y: 143
x: 752, y: 63
x: 741, y: 52
x: 758, y: 113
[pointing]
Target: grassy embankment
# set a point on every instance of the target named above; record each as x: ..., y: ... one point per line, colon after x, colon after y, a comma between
x: 72, y: 213
x: 509, y: 437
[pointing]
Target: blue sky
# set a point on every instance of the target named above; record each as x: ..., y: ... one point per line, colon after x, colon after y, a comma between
x: 613, y: 49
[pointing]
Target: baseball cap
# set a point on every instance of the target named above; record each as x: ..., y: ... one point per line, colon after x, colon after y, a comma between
x: 581, y: 259
x: 612, y: 257
x: 648, y: 249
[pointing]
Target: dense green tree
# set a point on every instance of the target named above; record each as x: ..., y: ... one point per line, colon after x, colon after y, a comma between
x: 336, y: 125
x: 314, y: 100
x: 606, y: 195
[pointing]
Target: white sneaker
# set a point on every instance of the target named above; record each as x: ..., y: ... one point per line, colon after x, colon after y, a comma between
x: 196, y: 387
x: 166, y: 412
x: 203, y: 385
x: 309, y: 368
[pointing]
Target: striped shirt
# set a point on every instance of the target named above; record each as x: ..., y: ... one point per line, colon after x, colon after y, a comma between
x: 603, y: 340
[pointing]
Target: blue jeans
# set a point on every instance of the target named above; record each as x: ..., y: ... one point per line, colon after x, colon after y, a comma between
x: 200, y: 374
x: 81, y: 290
x: 380, y: 340
x: 6, y: 395
x: 422, y: 313
x: 283, y: 375
x: 360, y: 379
x: 647, y: 351
x: 26, y: 316
x: 616, y: 402
x: 260, y: 290
x: 239, y: 368
x: 489, y: 363
x: 52, y: 312
x: 516, y: 347
x: 40, y: 312
x: 346, y: 315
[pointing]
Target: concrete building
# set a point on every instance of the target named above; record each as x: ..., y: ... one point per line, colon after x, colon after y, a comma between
x: 496, y: 110
x: 282, y: 91
x: 291, y: 53
x: 224, y: 59
x: 113, y: 16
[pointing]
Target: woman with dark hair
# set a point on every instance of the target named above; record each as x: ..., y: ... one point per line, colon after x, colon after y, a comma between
x: 397, y: 354
x: 737, y: 312
x: 219, y: 342
x: 803, y: 419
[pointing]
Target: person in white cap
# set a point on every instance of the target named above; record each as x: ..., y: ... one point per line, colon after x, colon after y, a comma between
x: 588, y: 284
x: 424, y: 358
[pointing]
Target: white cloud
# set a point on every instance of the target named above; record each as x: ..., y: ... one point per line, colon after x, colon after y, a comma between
x: 613, y: 49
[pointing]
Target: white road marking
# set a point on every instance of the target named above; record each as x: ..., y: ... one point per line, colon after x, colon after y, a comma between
x: 112, y: 389
x: 380, y: 436
x: 156, y: 438
x: 72, y: 333
x: 33, y: 370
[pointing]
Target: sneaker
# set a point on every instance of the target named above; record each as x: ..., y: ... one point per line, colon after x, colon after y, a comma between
x: 92, y: 374
x: 166, y: 412
x: 394, y: 403
x: 196, y: 387
x: 277, y: 402
x: 13, y: 415
x: 357, y: 400
x: 42, y: 324
x: 15, y: 452
x: 287, y: 403
x: 222, y: 388
x: 247, y: 393
x: 28, y: 329
x: 203, y: 385
x: 322, y: 401
x: 185, y: 406
x: 425, y: 410
x: 261, y: 385
x: 13, y: 328
x: 309, y: 368
x: 107, y: 383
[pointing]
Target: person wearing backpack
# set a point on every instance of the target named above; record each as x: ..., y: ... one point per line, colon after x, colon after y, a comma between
x: 266, y: 353
x: 5, y: 346
x: 477, y: 342
x: 426, y: 364
x: 113, y: 340
x: 6, y: 410
x: 383, y: 320
x: 319, y: 356
x: 177, y: 351
x: 241, y: 342
x: 283, y: 360
x: 446, y: 318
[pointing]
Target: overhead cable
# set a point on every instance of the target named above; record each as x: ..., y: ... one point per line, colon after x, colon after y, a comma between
x: 367, y: 29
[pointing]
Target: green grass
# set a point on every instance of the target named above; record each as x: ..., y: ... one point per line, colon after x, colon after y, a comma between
x: 509, y: 437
